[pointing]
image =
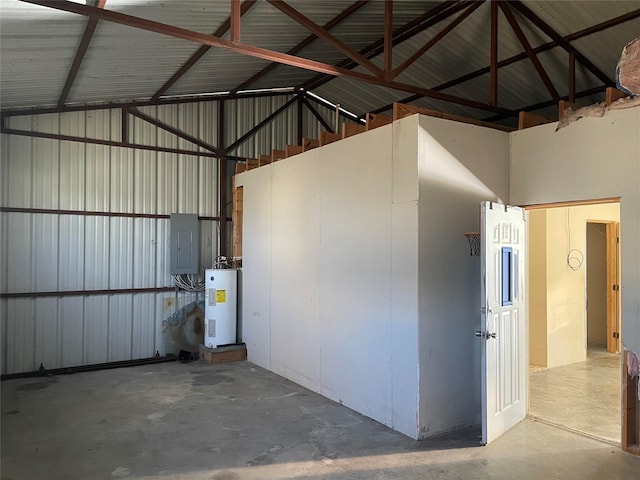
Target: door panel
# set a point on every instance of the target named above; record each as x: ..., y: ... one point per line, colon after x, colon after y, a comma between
x: 502, y: 327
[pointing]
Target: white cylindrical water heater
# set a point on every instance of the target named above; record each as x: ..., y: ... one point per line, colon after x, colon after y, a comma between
x: 220, y: 302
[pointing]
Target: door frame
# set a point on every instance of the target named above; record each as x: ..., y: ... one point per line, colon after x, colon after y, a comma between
x: 614, y: 324
x: 629, y: 440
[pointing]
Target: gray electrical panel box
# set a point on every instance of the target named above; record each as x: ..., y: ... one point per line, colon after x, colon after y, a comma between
x: 185, y: 244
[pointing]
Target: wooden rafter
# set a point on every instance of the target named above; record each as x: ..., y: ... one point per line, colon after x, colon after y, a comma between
x: 307, y: 41
x: 562, y: 42
x: 572, y: 77
x: 439, y: 36
x: 224, y: 28
x: 92, y: 23
x: 323, y: 33
x: 529, y: 51
x: 258, y: 52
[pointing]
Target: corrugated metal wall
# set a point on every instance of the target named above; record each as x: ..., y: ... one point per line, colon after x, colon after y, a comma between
x: 58, y: 252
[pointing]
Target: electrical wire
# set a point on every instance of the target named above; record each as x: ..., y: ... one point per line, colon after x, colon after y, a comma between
x: 575, y: 257
x: 190, y: 283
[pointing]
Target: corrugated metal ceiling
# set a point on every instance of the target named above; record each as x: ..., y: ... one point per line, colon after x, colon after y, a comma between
x: 38, y: 45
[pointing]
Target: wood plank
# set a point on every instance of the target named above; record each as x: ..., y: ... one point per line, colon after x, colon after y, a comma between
x: 528, y: 119
x: 350, y: 129
x: 612, y: 94
x: 327, y: 137
x: 251, y: 164
x: 231, y: 353
x: 264, y: 160
x: 564, y: 106
x: 630, y: 409
x: 612, y: 284
x: 241, y: 166
x: 292, y: 150
x: 309, y: 144
x: 401, y: 110
x: 236, y: 217
x: 278, y: 155
x: 376, y: 120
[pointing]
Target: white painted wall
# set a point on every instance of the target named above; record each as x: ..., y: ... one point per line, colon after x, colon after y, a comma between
x: 460, y: 165
x: 330, y: 272
x: 592, y: 158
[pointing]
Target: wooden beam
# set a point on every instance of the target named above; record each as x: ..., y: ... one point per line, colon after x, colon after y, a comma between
x: 309, y: 144
x: 527, y: 119
x: 562, y: 42
x: 351, y: 129
x: 493, y: 66
x: 355, y: 6
x: 375, y: 121
x: 235, y: 20
x: 278, y: 155
x: 422, y: 50
x: 329, y: 137
x: 264, y: 160
x: 630, y: 408
x: 177, y: 132
x: 529, y: 51
x: 401, y: 110
x: 564, y: 106
x: 224, y: 28
x: 320, y: 32
x: 255, y: 129
x: 90, y: 28
x: 258, y: 52
x: 613, y: 94
x: 292, y: 150
x: 388, y: 38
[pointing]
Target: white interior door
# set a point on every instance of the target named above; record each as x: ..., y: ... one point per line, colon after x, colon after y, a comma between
x: 503, y: 318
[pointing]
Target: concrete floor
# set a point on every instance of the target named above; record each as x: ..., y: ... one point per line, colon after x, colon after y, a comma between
x: 239, y: 422
x: 583, y: 396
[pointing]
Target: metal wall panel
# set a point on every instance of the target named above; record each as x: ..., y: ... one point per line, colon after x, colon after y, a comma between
x: 49, y: 252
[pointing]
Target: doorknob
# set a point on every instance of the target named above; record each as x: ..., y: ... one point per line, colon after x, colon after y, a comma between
x: 486, y: 335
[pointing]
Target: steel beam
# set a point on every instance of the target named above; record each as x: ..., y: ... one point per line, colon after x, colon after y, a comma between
x: 493, y: 94
x: 176, y: 131
x: 224, y: 28
x: 433, y: 41
x: 307, y: 41
x: 235, y: 20
x: 255, y: 129
x: 562, y: 42
x: 388, y: 39
x: 320, y: 32
x: 92, y: 23
x: 521, y: 56
x: 529, y: 51
x: 319, y: 117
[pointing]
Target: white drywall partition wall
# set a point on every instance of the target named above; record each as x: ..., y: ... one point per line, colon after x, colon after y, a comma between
x: 591, y: 158
x: 460, y: 165
x: 330, y: 275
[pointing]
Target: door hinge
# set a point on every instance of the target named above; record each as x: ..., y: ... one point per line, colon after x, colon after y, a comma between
x: 616, y: 335
x: 617, y: 239
x: 616, y: 288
